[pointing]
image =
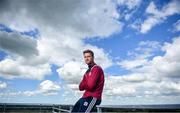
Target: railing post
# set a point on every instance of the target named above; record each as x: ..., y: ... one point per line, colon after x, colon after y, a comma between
x: 99, y: 109
x: 59, y: 109
x: 70, y: 109
x: 40, y: 108
x: 4, y: 111
x: 53, y: 109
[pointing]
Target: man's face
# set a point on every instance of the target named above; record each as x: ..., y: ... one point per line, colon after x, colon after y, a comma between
x: 88, y: 58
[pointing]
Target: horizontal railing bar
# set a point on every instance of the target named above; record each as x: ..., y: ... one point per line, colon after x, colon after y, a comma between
x: 61, y: 109
x: 166, y: 106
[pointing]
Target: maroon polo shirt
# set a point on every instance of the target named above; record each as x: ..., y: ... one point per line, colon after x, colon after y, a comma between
x: 93, y: 82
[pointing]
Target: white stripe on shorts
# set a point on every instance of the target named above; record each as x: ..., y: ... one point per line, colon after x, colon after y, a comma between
x: 91, y: 105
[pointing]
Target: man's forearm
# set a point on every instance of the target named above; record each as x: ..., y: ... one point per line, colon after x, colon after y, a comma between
x: 81, y: 86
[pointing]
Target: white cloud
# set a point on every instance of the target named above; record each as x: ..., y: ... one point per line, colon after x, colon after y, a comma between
x: 48, y: 87
x: 45, y: 88
x: 158, y: 78
x: 13, y: 69
x: 12, y: 93
x: 131, y: 8
x: 136, y: 24
x: 78, y: 18
x: 3, y: 85
x: 18, y: 44
x: 168, y: 65
x: 116, y: 86
x: 140, y: 56
x: 72, y: 72
x: 131, y: 4
x: 63, y: 26
x: 135, y: 77
x: 122, y: 91
x: 23, y: 60
x: 73, y: 86
x: 158, y: 16
x: 130, y: 64
x: 171, y: 88
x: 29, y: 93
x: 176, y: 26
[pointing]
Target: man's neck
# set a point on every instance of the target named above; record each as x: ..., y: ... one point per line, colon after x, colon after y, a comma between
x: 91, y: 65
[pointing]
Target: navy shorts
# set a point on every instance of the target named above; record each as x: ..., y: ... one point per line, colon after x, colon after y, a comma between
x: 86, y: 105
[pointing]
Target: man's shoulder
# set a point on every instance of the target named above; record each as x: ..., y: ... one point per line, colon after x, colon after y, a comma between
x: 96, y: 67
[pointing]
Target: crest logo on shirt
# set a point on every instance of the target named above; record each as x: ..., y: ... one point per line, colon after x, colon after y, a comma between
x: 85, y: 103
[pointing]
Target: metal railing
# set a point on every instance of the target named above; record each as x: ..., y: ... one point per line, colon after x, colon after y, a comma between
x: 34, y: 108
x: 139, y: 108
x: 58, y: 108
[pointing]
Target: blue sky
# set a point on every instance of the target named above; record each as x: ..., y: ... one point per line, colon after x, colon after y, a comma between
x: 136, y: 43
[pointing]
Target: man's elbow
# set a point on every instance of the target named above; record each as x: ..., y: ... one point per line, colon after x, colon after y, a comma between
x: 81, y: 88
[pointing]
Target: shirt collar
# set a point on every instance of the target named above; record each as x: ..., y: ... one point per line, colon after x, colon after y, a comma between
x: 91, y: 65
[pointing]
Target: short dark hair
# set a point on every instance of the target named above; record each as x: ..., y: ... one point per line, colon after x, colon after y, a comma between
x: 89, y: 51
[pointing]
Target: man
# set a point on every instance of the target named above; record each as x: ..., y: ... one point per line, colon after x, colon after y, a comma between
x: 92, y: 83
